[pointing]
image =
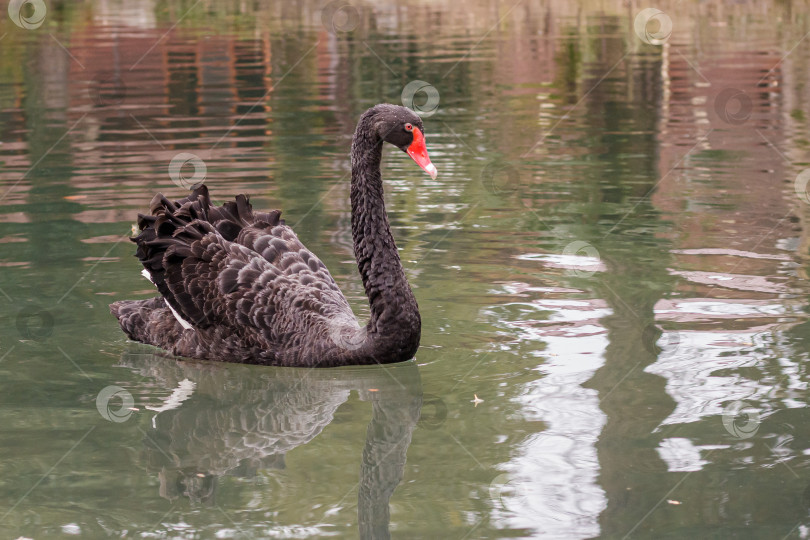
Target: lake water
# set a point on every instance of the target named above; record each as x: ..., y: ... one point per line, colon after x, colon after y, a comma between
x: 612, y: 269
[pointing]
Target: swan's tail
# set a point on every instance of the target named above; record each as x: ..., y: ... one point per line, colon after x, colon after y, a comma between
x: 134, y: 316
x: 149, y: 321
x: 166, y: 237
x: 173, y: 226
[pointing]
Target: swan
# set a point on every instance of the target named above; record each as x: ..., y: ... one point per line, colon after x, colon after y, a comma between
x: 238, y: 286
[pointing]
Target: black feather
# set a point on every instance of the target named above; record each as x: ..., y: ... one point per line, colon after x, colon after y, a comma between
x: 253, y: 293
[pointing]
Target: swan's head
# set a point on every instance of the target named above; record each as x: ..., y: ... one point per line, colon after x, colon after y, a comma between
x: 402, y: 127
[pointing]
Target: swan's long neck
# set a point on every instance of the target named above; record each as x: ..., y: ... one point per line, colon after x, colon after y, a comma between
x: 394, y: 312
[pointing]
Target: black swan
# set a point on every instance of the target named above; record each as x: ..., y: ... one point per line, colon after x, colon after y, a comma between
x: 239, y: 286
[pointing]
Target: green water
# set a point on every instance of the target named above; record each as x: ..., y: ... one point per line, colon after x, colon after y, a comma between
x: 611, y: 269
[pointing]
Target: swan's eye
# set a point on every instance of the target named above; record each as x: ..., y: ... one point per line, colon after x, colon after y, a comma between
x: 408, y: 127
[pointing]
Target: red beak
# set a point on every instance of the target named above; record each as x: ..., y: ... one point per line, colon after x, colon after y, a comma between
x: 418, y: 152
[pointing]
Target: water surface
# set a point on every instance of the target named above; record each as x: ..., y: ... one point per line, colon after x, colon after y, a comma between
x: 611, y: 268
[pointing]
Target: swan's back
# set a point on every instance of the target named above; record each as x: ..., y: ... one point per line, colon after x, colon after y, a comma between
x: 235, y: 285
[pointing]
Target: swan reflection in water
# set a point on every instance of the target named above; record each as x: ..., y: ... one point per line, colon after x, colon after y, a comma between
x: 229, y: 420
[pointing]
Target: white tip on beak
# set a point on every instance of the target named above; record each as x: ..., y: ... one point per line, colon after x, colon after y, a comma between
x: 431, y: 170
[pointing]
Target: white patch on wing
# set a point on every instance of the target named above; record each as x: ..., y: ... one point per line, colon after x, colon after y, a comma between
x: 177, y: 316
x: 145, y: 273
x: 186, y: 325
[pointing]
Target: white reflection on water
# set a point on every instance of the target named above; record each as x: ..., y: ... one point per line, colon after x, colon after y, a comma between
x: 692, y: 375
x: 555, y: 471
x: 682, y: 455
x: 703, y: 375
x: 695, y: 309
x: 566, y: 261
